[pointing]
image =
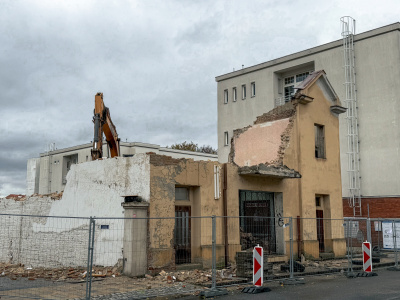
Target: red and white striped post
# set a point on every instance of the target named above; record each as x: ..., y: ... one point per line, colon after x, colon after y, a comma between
x: 367, y: 259
x: 258, y: 265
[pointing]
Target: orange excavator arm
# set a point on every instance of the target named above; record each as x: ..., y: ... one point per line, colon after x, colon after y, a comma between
x: 103, y: 124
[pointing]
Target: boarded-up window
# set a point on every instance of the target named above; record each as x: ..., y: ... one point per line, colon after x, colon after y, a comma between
x: 319, y: 141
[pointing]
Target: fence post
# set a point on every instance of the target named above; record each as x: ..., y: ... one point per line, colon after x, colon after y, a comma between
x: 291, y: 246
x: 291, y: 280
x: 396, y: 262
x: 379, y: 236
x: 213, y: 292
x: 214, y: 254
x: 92, y: 226
x: 369, y: 239
x: 349, y: 273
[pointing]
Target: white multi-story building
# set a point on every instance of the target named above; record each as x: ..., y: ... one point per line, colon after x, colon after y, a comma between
x: 374, y: 88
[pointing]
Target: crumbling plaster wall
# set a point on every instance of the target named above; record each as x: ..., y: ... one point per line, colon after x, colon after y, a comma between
x: 38, y: 241
x: 266, y: 141
x: 260, y: 143
x: 166, y: 173
x: 93, y: 189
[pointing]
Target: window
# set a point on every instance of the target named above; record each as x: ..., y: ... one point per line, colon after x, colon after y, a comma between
x: 226, y: 96
x: 253, y: 89
x: 68, y: 161
x: 289, y: 83
x: 319, y: 141
x: 234, y: 94
x: 317, y: 201
x: 302, y: 76
x: 226, y: 138
x: 243, y: 91
x: 288, y: 89
x: 181, y: 193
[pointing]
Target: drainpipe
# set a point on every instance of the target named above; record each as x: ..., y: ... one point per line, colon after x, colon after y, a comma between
x: 224, y: 198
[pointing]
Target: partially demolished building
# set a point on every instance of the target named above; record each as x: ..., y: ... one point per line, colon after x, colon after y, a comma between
x: 287, y: 164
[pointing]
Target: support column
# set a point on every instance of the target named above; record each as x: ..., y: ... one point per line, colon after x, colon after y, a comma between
x: 135, y: 238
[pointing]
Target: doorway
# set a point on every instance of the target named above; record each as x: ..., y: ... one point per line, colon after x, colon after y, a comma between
x: 320, y: 230
x: 257, y: 220
x: 182, y: 236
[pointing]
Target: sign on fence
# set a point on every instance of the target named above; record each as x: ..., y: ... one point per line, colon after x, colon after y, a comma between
x: 258, y: 266
x: 388, y: 231
x: 367, y: 260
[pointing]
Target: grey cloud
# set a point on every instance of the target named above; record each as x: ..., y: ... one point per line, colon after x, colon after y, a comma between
x: 155, y: 62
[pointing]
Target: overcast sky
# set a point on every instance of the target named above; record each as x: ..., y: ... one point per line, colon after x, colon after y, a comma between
x: 155, y: 62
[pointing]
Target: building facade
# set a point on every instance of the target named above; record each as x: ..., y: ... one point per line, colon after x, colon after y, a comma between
x: 244, y: 93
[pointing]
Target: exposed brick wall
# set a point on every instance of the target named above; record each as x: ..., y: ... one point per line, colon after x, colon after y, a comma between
x: 388, y: 207
x: 278, y: 113
x: 163, y: 160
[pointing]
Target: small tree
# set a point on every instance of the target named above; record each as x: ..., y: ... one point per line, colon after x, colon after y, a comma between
x: 207, y: 149
x: 193, y: 147
x: 185, y: 146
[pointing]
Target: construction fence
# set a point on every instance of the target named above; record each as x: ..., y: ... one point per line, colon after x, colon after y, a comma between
x: 47, y: 257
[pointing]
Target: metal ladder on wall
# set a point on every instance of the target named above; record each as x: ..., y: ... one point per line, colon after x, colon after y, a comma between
x: 353, y: 150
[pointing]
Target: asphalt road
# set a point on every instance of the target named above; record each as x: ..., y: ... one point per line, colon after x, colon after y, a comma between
x: 335, y: 286
x: 384, y: 286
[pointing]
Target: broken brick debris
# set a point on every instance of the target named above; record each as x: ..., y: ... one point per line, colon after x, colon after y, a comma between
x: 14, y: 271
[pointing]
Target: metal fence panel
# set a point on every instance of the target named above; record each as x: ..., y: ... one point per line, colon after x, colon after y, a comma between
x: 42, y: 257
x: 68, y: 258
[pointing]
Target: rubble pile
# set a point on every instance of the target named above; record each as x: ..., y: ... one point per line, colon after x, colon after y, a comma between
x: 193, y: 276
x: 16, y: 197
x: 53, y: 196
x: 15, y: 271
x: 19, y: 197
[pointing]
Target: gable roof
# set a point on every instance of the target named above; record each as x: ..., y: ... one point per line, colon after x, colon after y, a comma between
x: 320, y: 78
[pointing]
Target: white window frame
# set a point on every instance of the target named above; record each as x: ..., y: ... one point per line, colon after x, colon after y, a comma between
x: 289, y: 83
x: 226, y: 138
x: 243, y: 91
x: 225, y: 96
x: 253, y: 89
x: 234, y: 94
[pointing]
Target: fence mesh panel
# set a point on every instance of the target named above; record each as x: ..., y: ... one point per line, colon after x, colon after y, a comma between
x: 43, y: 257
x: 48, y: 257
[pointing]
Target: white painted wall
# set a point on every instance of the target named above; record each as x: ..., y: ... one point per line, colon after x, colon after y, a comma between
x: 93, y: 189
x: 32, y: 176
